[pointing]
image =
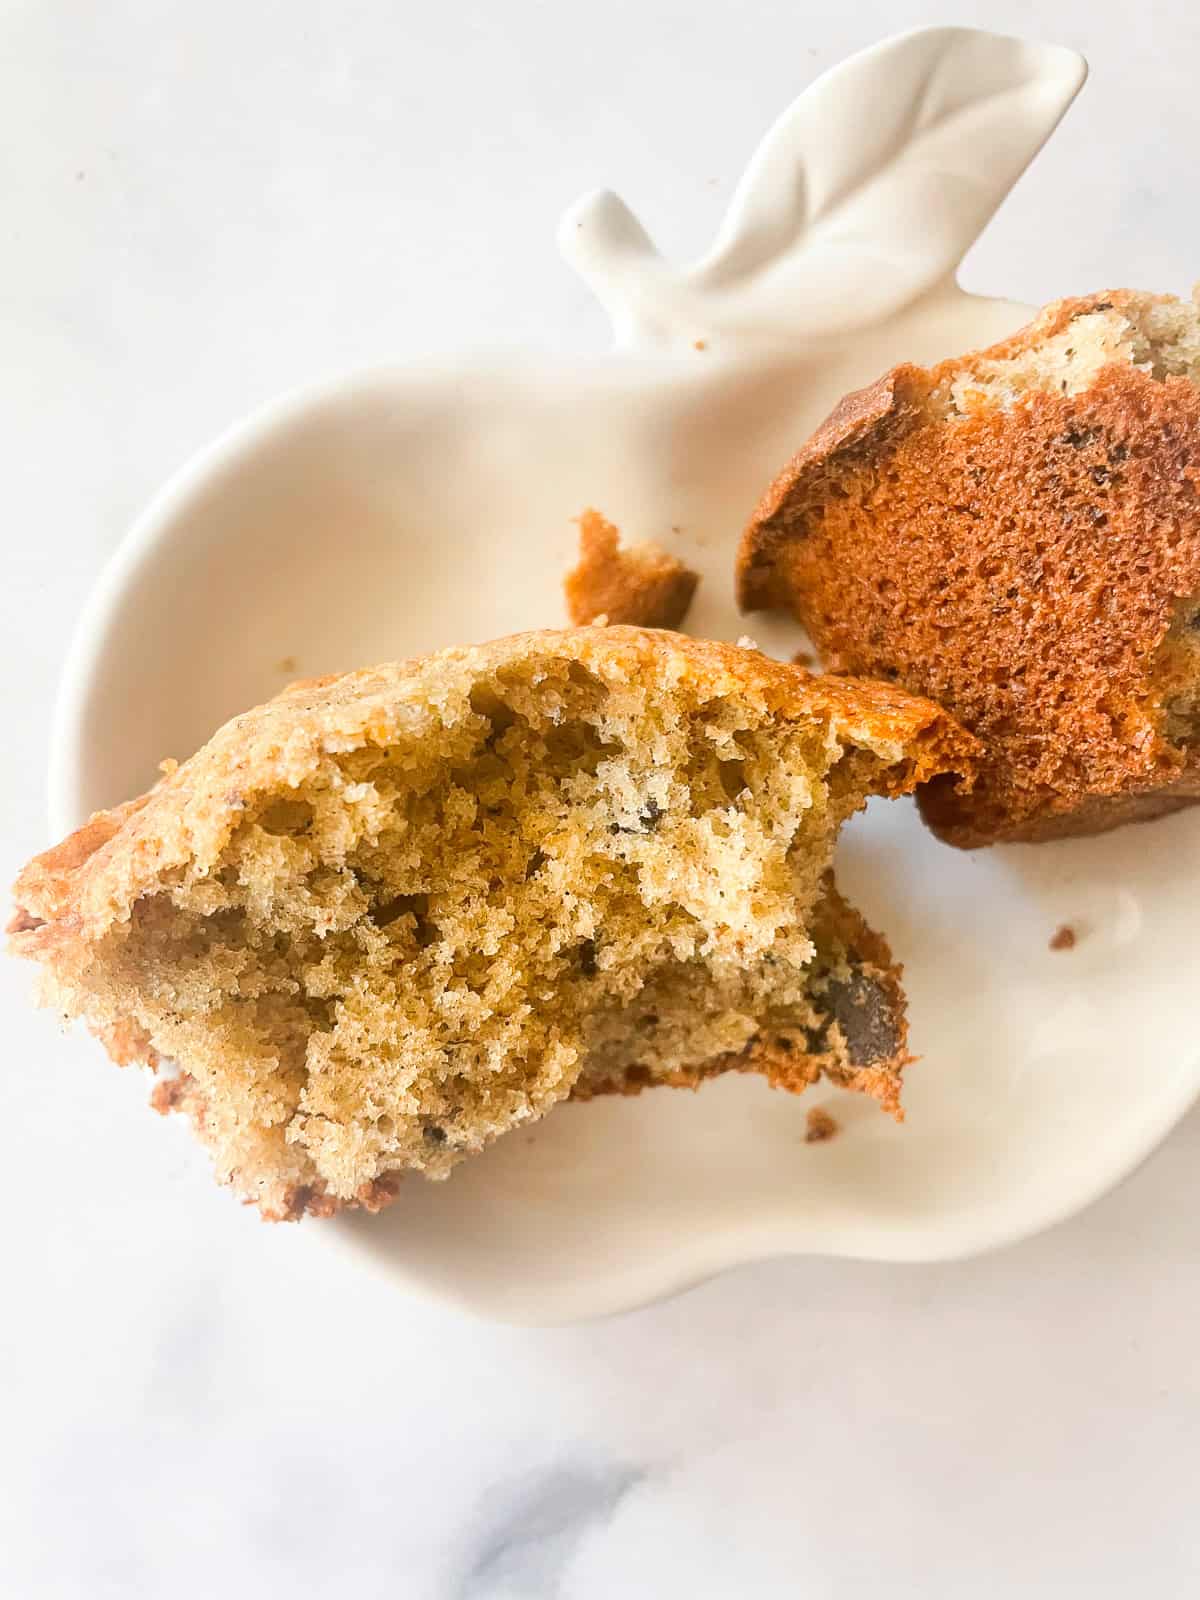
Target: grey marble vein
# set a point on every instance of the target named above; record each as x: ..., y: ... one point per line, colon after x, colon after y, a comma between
x: 535, y: 1525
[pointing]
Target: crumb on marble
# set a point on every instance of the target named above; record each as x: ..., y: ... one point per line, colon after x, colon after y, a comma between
x: 1063, y: 938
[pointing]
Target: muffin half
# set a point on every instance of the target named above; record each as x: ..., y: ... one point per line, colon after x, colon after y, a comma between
x: 1016, y: 533
x: 390, y: 915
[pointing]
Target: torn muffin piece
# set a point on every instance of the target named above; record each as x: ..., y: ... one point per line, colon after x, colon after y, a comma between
x: 390, y: 915
x: 638, y: 584
x: 853, y: 1034
x: 1016, y: 534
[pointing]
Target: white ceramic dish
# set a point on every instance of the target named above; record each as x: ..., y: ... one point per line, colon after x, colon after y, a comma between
x: 410, y: 508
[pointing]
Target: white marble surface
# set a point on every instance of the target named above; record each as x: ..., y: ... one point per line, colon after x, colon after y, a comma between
x: 204, y: 205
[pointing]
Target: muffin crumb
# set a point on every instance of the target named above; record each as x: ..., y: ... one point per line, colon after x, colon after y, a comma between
x: 821, y: 1126
x: 639, y: 584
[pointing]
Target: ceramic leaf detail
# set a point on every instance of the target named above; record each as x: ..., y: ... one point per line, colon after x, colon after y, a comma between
x: 865, y: 194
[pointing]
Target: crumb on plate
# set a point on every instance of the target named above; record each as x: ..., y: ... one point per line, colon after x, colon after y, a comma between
x: 638, y: 584
x: 821, y: 1126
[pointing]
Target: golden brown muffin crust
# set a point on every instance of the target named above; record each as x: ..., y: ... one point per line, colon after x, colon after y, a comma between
x: 97, y: 872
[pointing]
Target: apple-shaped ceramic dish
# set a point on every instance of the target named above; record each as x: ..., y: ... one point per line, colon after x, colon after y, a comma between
x: 412, y: 507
